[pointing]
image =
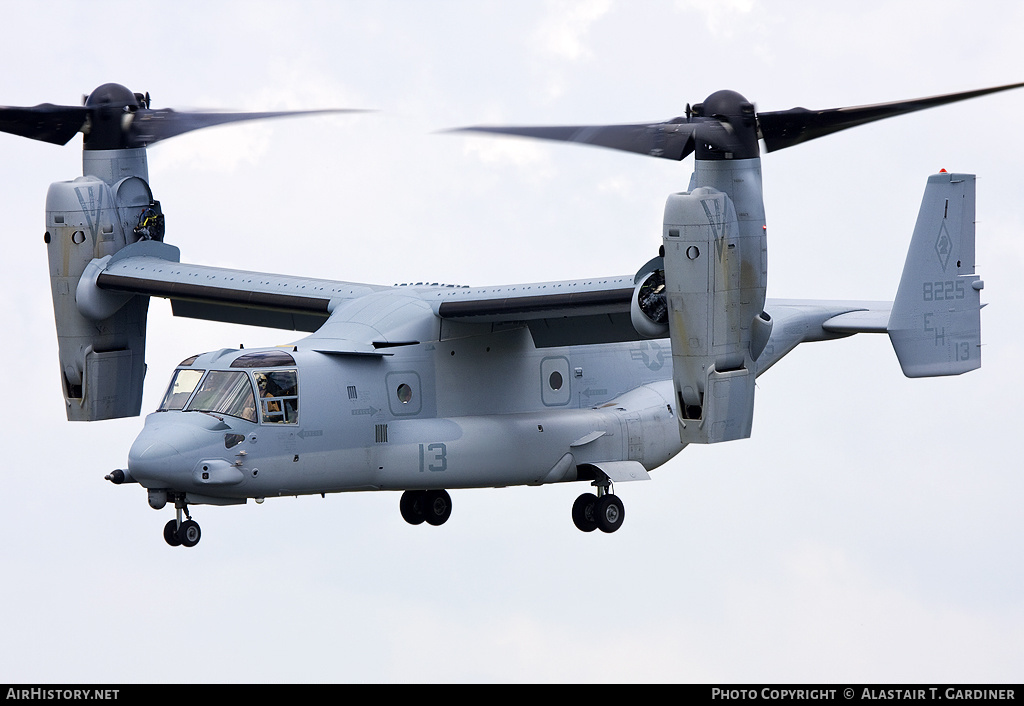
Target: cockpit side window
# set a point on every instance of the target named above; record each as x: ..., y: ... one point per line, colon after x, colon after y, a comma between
x: 183, y: 384
x: 225, y: 392
x: 279, y: 396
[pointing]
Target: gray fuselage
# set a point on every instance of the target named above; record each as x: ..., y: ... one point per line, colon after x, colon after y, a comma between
x: 477, y: 411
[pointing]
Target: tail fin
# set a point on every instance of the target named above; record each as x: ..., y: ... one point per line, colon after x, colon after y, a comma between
x: 935, y: 323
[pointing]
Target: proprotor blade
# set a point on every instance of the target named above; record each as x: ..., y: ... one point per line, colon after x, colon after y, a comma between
x: 673, y: 139
x: 786, y: 128
x: 149, y: 126
x: 55, y: 124
x: 723, y: 129
x: 114, y: 118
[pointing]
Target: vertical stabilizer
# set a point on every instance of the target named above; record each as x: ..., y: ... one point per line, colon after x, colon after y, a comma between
x: 935, y: 324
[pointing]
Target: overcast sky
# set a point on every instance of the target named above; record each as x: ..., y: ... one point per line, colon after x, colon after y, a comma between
x: 870, y: 529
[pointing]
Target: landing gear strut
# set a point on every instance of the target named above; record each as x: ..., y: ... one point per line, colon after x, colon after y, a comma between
x: 178, y: 533
x: 603, y: 511
x: 431, y: 506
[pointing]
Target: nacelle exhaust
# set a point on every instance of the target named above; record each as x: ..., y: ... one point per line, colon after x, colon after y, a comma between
x: 649, y: 308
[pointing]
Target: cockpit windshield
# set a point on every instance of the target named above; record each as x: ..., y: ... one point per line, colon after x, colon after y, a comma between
x: 225, y: 392
x: 183, y: 384
x: 231, y: 392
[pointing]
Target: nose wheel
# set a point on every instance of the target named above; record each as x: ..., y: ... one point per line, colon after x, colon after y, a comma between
x: 180, y: 533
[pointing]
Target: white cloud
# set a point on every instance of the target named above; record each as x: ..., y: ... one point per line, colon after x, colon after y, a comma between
x: 524, y: 155
x: 563, y: 31
x: 720, y: 15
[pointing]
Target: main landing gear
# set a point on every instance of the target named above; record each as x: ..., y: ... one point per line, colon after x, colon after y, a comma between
x: 603, y: 511
x: 431, y: 506
x: 184, y: 534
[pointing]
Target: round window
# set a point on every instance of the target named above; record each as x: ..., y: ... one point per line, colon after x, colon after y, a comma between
x: 555, y: 380
x: 404, y: 393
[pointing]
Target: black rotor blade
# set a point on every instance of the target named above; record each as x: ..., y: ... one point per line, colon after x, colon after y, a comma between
x: 149, y: 126
x: 55, y: 124
x: 786, y: 128
x: 668, y: 140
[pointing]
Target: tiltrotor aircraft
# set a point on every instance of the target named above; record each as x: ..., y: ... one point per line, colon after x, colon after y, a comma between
x: 427, y: 388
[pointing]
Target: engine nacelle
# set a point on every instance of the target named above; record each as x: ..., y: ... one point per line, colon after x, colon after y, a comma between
x: 715, y: 265
x: 102, y: 341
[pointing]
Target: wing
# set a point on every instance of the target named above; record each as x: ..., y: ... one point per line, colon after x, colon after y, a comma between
x: 345, y: 317
x: 218, y: 294
x: 571, y: 312
x: 557, y: 313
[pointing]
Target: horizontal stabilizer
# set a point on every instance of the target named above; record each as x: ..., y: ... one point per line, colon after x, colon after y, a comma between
x: 862, y: 321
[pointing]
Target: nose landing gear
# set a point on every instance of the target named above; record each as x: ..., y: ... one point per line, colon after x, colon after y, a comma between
x: 178, y: 533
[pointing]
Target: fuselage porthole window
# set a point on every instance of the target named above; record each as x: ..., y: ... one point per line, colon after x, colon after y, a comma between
x: 404, y: 393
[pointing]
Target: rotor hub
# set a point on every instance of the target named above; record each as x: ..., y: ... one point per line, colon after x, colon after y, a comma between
x: 733, y: 134
x: 113, y: 95
x: 725, y: 104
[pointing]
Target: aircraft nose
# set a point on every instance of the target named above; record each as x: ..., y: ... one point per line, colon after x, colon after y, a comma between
x: 150, y: 461
x: 158, y: 454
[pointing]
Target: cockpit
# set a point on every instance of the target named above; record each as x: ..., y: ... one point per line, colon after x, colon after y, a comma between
x: 262, y: 387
